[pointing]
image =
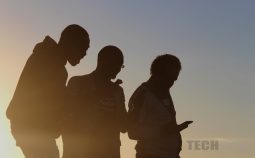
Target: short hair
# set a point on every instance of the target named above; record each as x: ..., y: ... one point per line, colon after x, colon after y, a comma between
x: 163, y: 63
x: 74, y: 33
x: 109, y: 53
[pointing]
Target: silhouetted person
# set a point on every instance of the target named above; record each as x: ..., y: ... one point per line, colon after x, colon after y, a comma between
x: 99, y: 114
x: 38, y: 104
x: 151, y: 115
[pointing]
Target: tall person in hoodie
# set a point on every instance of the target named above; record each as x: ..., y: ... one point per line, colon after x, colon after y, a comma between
x: 38, y: 104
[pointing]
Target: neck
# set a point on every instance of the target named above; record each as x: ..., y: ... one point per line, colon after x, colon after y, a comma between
x: 100, y: 75
x: 156, y: 84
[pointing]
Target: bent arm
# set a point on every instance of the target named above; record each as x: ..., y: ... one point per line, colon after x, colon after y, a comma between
x: 141, y: 128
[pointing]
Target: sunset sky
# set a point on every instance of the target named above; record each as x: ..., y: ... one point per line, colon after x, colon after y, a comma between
x: 214, y: 39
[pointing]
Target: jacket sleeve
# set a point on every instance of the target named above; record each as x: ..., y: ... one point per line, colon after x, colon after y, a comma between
x: 140, y: 127
x: 56, y: 87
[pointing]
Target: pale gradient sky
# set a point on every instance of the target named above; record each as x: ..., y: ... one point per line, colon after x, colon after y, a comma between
x: 214, y: 39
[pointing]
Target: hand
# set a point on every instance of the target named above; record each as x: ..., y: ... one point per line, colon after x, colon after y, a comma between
x: 184, y: 125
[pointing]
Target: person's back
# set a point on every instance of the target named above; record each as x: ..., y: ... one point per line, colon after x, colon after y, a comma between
x: 148, y: 114
x: 41, y: 84
x: 152, y: 116
x: 37, y: 107
x: 98, y: 117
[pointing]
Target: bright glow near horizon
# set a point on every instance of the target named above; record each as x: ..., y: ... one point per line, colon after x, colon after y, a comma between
x: 213, y: 39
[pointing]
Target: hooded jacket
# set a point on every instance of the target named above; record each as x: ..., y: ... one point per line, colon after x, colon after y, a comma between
x: 37, y: 103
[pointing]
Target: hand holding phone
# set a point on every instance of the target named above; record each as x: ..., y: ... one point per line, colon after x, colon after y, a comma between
x: 184, y: 125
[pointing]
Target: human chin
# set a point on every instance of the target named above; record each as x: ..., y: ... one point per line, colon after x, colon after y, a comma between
x: 74, y: 62
x: 113, y: 76
x: 170, y: 84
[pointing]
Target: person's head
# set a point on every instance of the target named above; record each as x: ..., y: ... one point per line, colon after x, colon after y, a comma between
x: 110, y: 61
x: 166, y: 68
x: 74, y: 42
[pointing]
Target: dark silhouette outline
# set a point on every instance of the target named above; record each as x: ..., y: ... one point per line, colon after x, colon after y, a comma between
x: 99, y: 115
x: 152, y: 116
x: 39, y: 102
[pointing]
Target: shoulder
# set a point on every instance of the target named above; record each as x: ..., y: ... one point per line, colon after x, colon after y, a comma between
x: 139, y: 92
x: 137, y: 97
x: 44, y: 55
x: 81, y: 83
x: 45, y: 49
x: 77, y: 80
x: 73, y: 80
x: 116, y: 86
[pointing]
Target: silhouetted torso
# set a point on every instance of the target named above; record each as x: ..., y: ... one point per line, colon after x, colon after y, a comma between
x: 149, y: 111
x: 95, y: 127
x: 37, y: 104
